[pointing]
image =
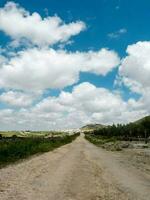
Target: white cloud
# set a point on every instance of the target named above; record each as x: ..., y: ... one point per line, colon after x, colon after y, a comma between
x: 86, y: 97
x: 117, y: 34
x: 49, y: 105
x: 2, y: 59
x: 85, y: 104
x: 17, y: 99
x: 25, y: 74
x: 100, y: 62
x: 38, y: 69
x: 89, y: 104
x: 135, y: 68
x: 18, y: 23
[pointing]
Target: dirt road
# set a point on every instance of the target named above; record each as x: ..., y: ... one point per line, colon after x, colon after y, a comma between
x: 77, y: 171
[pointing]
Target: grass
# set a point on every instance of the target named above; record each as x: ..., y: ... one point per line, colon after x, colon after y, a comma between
x: 14, y: 149
x: 99, y: 140
x: 29, y: 133
x: 109, y: 143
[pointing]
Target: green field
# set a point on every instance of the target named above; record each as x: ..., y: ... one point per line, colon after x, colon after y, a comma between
x: 30, y: 133
x: 15, y: 147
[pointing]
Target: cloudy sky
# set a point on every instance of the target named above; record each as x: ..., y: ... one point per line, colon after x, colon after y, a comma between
x: 64, y: 64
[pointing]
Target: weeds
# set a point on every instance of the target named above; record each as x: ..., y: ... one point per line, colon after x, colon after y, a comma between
x: 15, y: 148
x: 108, y: 143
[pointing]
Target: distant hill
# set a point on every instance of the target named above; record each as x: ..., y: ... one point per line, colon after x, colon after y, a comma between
x: 142, y: 119
x: 90, y: 127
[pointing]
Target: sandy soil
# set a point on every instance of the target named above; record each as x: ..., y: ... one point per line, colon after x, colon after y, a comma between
x: 77, y: 171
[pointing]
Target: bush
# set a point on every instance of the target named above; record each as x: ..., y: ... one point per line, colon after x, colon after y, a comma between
x: 18, y: 148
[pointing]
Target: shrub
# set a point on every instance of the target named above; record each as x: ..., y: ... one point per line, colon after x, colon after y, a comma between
x: 18, y: 148
x: 1, y: 137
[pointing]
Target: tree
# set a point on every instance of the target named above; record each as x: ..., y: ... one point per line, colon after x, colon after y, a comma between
x: 146, y: 124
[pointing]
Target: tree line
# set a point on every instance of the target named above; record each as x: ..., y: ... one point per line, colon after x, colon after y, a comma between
x: 129, y: 131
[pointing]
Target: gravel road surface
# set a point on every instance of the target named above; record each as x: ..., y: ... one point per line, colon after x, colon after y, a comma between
x: 76, y: 171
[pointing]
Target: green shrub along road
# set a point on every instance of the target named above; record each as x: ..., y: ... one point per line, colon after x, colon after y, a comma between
x: 99, y: 140
x: 108, y: 143
x: 15, y: 148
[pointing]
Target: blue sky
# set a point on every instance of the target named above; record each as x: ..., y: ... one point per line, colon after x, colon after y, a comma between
x: 101, y: 16
x: 119, y: 27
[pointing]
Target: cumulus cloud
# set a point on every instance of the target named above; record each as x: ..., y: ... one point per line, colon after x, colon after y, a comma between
x: 27, y: 72
x: 90, y: 99
x: 90, y: 104
x: 134, y: 73
x: 135, y: 67
x: 17, y: 99
x: 2, y: 59
x: 39, y: 69
x: 100, y: 62
x: 100, y: 105
x: 85, y: 104
x: 18, y: 23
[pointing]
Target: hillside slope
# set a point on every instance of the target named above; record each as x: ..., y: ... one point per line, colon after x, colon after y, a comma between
x: 147, y: 118
x: 92, y: 127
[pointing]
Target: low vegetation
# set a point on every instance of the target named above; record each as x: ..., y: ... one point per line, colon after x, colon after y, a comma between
x: 114, y: 137
x: 30, y: 133
x: 109, y: 143
x: 15, y: 148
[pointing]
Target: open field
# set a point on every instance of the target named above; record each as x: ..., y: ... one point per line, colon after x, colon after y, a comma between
x: 30, y: 133
x: 78, y: 171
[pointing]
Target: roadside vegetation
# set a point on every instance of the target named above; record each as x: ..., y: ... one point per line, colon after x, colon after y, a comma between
x: 108, y: 143
x: 14, y: 148
x: 117, y: 137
